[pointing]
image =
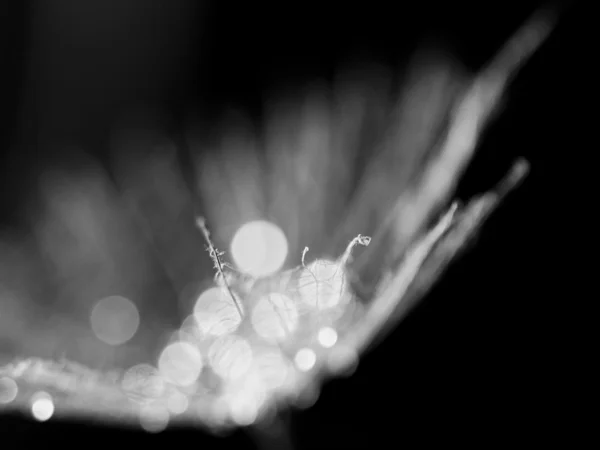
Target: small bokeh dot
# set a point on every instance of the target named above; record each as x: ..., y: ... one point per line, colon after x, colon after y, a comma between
x: 305, y: 359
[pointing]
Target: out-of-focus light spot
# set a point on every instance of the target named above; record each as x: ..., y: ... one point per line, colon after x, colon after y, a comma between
x: 259, y: 248
x: 177, y: 403
x: 327, y: 337
x: 305, y: 359
x: 180, y: 363
x: 154, y: 418
x: 342, y: 360
x: 115, y: 320
x: 42, y: 406
x: 321, y: 284
x: 8, y: 390
x: 275, y: 317
x: 216, y: 312
x: 230, y: 356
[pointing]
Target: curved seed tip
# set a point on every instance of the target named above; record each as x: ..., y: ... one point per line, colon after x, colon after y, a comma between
x: 304, y: 255
x: 364, y: 240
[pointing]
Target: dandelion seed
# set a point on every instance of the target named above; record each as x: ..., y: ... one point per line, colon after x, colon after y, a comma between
x: 358, y: 240
x: 216, y: 257
x: 322, y: 284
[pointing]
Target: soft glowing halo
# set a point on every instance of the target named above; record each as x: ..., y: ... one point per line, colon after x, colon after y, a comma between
x: 259, y: 248
x: 180, y: 363
x: 42, y: 407
x: 114, y: 320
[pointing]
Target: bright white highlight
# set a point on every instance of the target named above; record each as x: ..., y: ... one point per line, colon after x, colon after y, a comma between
x: 327, y: 337
x: 216, y: 313
x: 42, y: 407
x: 8, y: 390
x: 181, y: 363
x: 305, y: 359
x: 275, y: 317
x: 259, y: 248
x: 114, y: 320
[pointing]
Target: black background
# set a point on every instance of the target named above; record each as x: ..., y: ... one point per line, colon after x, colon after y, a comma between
x: 475, y: 361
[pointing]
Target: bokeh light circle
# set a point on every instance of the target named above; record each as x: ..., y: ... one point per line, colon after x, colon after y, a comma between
x: 327, y: 337
x: 180, y: 363
x: 115, y: 320
x: 259, y: 248
x: 42, y: 406
x: 8, y: 390
x: 305, y: 359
